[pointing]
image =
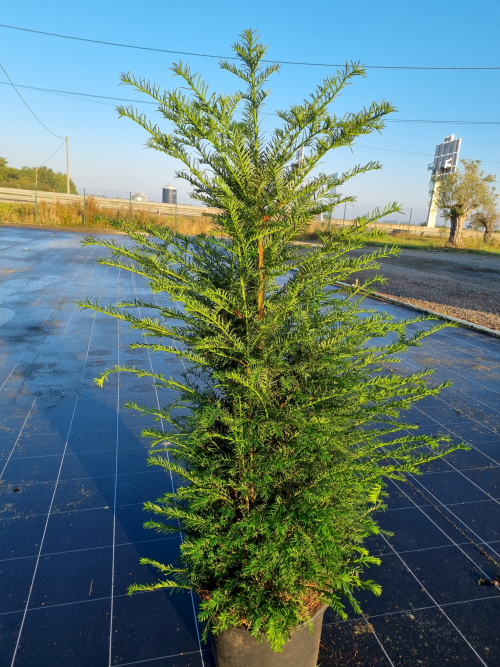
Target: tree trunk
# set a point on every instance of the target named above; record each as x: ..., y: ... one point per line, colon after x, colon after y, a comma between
x: 457, y: 224
x: 488, y: 231
x: 262, y: 289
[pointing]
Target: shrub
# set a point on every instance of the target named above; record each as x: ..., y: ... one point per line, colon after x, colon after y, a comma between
x: 286, y: 426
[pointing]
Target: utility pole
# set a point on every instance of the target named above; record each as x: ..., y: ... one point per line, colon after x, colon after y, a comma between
x: 67, y: 165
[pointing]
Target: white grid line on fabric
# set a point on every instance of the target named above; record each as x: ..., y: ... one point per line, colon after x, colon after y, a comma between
x: 116, y: 485
x: 464, y: 342
x: 450, y: 538
x: 455, y: 516
x: 26, y: 418
x: 51, y: 504
x: 439, y: 607
x: 79, y: 479
x: 91, y: 430
x: 45, y: 376
x: 93, y: 451
x: 15, y: 366
x: 378, y: 641
x: 104, y: 507
x: 469, y: 380
x: 411, y: 610
x: 172, y: 479
x: 105, y: 546
x: 163, y: 657
x: 147, y: 472
x: 349, y: 620
x: 173, y: 537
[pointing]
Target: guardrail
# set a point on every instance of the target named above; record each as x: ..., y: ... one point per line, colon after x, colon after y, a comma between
x: 128, y: 206
x: 15, y: 195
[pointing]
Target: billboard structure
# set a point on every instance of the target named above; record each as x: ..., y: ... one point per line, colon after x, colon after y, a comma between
x: 445, y: 162
x: 300, y: 156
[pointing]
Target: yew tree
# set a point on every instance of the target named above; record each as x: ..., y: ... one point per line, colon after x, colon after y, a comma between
x: 287, y: 422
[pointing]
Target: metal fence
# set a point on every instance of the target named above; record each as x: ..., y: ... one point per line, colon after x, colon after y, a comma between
x: 127, y: 207
x: 14, y: 195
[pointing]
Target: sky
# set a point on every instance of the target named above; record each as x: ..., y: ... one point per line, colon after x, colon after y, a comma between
x: 108, y: 154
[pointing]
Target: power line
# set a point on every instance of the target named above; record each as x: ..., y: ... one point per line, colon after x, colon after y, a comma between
x: 57, y: 149
x: 456, y: 122
x: 31, y: 110
x: 388, y: 120
x: 70, y: 92
x: 209, y: 55
x: 428, y: 121
x: 394, y: 150
x: 78, y: 96
x: 124, y: 99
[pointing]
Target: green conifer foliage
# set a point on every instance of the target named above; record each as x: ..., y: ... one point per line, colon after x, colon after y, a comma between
x: 292, y: 423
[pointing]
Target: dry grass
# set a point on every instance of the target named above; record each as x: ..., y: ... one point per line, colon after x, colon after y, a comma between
x: 72, y: 215
x: 56, y: 214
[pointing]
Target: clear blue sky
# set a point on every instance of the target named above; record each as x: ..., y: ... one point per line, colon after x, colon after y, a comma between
x: 108, y: 153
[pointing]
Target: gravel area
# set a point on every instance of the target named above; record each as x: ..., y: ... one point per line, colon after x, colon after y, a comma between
x: 461, y: 285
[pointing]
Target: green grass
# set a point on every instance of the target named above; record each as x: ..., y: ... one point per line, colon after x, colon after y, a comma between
x: 471, y: 245
x: 71, y: 216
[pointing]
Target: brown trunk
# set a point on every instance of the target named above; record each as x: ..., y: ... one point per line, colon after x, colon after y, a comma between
x: 457, y: 224
x: 487, y: 234
x: 262, y: 281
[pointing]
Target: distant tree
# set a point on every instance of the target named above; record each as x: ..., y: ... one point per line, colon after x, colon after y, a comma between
x: 48, y: 179
x: 487, y: 218
x: 463, y: 193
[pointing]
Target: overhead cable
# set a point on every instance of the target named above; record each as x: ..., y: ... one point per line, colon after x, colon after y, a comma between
x: 210, y: 55
x: 394, y: 150
x: 57, y: 149
x: 70, y: 92
x: 28, y: 106
x: 126, y: 99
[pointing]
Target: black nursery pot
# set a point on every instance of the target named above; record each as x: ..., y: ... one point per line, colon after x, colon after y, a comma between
x: 237, y: 648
